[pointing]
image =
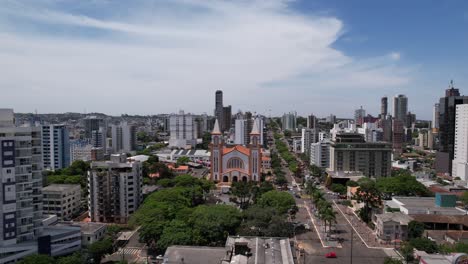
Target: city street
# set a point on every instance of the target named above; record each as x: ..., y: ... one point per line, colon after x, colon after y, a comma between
x: 353, y: 250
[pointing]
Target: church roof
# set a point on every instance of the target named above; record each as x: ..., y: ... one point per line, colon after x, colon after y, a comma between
x: 255, y: 129
x: 216, y: 129
x: 239, y: 148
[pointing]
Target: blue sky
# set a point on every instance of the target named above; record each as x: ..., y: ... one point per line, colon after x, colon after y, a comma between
x: 160, y: 56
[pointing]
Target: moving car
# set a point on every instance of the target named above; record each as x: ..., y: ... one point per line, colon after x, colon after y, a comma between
x: 330, y: 255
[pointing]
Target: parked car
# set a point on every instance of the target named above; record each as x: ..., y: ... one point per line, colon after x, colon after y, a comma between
x: 330, y: 255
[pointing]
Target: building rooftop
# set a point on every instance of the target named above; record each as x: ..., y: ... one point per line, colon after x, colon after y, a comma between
x: 87, y: 227
x: 60, y: 187
x: 399, y: 217
x: 194, y: 255
x: 422, y: 205
x: 238, y: 250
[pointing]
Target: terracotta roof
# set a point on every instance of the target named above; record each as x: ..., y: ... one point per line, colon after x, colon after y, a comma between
x: 181, y: 167
x: 442, y: 219
x: 239, y: 148
x: 457, y: 235
x: 266, y: 158
x: 154, y: 175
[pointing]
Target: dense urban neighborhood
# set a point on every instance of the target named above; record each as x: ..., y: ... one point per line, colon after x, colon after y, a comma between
x: 243, y: 188
x: 233, y: 132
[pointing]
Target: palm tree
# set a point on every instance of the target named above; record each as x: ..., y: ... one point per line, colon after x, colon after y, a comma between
x: 329, y: 216
x: 317, y: 196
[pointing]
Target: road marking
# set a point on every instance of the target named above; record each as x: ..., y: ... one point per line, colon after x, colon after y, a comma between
x: 363, y: 241
x: 313, y: 222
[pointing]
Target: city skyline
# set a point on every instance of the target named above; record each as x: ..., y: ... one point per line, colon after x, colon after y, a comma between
x: 310, y: 54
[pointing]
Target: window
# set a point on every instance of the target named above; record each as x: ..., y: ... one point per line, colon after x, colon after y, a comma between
x: 235, y: 163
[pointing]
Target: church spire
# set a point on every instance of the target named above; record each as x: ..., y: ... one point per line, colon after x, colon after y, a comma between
x: 216, y: 130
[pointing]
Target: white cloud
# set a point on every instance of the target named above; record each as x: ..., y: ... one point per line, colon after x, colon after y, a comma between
x: 165, y: 56
x: 395, y: 56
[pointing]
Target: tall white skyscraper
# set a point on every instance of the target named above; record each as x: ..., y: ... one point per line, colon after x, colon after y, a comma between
x: 400, y: 107
x: 55, y: 147
x: 359, y: 114
x: 21, y: 178
x: 289, y: 121
x: 183, y: 131
x: 460, y: 161
x: 123, y: 137
x: 241, y: 136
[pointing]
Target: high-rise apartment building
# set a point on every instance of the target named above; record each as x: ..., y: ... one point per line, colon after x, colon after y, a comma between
x: 410, y: 120
x: 123, y: 137
x: 99, y: 143
x: 183, y: 131
x: 219, y: 109
x: 359, y: 115
x: 92, y: 123
x: 385, y: 123
x: 308, y: 137
x: 21, y: 178
x: 400, y: 107
x: 398, y: 137
x: 227, y: 118
x: 115, y: 189
x: 312, y: 122
x: 447, y: 111
x: 460, y: 160
x: 62, y: 200
x: 80, y: 150
x: 289, y: 121
x: 320, y: 153
x: 384, y: 106
x: 349, y: 152
x: 55, y: 147
x: 435, y: 118
x: 241, y: 134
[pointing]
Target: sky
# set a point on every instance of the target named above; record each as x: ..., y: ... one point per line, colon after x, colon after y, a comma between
x: 267, y: 56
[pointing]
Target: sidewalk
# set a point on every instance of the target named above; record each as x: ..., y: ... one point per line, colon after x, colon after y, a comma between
x: 366, y: 234
x: 320, y: 229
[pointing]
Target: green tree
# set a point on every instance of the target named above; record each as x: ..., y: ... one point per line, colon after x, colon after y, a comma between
x: 243, y: 192
x: 75, y: 258
x: 389, y: 260
x: 264, y: 221
x: 212, y: 224
x: 98, y: 249
x: 464, y: 198
x: 370, y: 195
x: 407, y: 251
x: 37, y: 259
x: 281, y: 201
x: 338, y: 188
x: 176, y: 233
x: 415, y: 229
x: 182, y: 160
x: 424, y: 244
x: 403, y: 184
x: 352, y: 183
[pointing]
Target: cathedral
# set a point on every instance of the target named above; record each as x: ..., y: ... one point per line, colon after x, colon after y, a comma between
x: 237, y: 163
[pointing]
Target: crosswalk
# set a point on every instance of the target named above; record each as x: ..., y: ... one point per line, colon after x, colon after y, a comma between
x: 129, y: 251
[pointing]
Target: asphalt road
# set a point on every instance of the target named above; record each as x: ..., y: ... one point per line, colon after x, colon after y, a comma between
x: 351, y: 251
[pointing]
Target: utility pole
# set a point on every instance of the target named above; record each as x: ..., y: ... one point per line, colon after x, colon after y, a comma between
x: 351, y: 253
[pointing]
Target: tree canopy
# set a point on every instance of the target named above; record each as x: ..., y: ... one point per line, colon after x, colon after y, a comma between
x: 402, y: 184
x: 37, y: 259
x: 281, y: 201
x: 415, y: 229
